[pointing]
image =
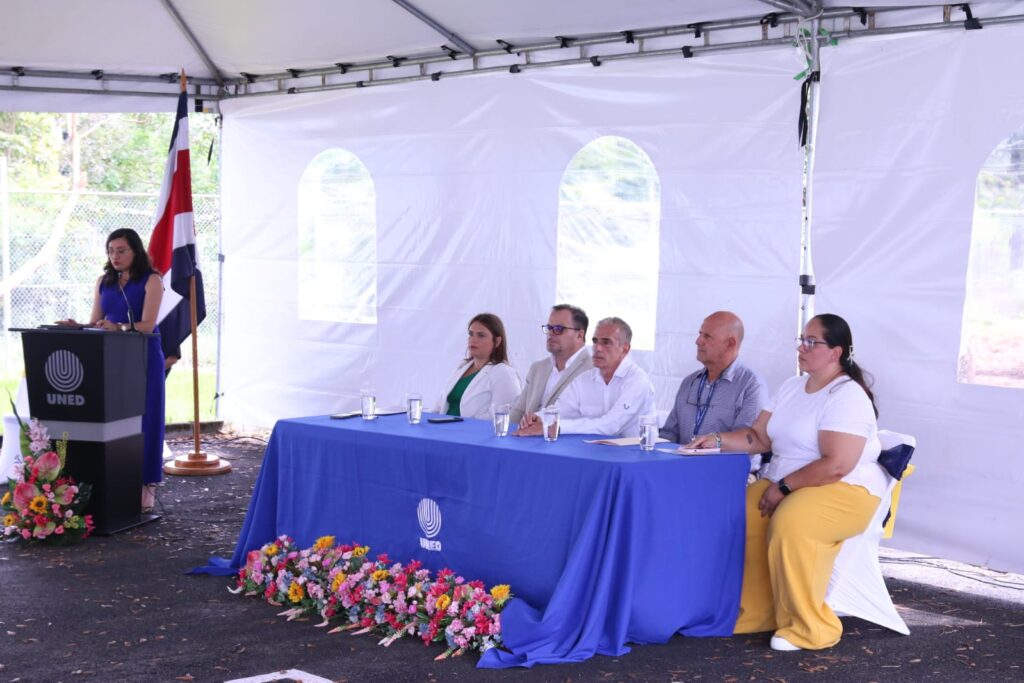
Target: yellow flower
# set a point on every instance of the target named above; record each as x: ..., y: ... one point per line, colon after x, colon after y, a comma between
x: 270, y: 550
x: 38, y: 504
x: 296, y: 592
x: 379, y: 574
x: 360, y: 551
x: 6, y: 499
x: 323, y: 543
x: 337, y: 581
x: 10, y: 520
x: 442, y: 602
x: 501, y: 593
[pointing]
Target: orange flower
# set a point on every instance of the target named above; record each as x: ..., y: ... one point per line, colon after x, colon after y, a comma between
x: 442, y: 602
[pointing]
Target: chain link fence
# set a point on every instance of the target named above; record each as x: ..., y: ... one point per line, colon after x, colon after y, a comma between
x: 52, y: 246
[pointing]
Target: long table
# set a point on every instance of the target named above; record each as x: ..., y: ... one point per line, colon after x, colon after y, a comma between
x: 602, y: 545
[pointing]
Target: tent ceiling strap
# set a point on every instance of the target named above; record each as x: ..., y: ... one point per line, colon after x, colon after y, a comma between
x: 432, y: 23
x: 196, y: 45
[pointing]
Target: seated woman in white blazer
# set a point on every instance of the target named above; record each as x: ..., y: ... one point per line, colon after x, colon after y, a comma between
x: 485, y: 378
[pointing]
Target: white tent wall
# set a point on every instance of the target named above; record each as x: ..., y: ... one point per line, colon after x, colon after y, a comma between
x: 467, y: 176
x: 906, y: 124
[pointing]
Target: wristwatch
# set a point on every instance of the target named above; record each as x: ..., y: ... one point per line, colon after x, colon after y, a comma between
x: 784, y: 487
x: 123, y: 327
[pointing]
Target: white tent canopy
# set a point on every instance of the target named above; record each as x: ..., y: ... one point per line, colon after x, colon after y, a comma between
x: 464, y: 184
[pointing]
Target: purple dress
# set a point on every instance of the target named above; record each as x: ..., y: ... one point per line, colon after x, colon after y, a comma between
x: 115, y: 309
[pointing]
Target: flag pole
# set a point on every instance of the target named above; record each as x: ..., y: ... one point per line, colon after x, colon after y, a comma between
x: 197, y: 463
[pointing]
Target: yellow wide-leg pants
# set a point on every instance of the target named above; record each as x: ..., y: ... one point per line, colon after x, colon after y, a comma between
x: 789, y: 558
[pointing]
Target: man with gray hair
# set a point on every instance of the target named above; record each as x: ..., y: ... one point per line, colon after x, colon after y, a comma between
x: 610, y: 398
x: 566, y: 343
x: 723, y: 395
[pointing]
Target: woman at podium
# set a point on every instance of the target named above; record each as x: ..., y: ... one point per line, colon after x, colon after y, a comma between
x: 127, y: 299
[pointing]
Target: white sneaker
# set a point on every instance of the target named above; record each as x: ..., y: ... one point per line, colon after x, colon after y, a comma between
x: 782, y: 645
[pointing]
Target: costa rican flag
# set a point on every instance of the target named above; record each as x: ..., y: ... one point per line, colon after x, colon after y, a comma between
x: 172, y: 247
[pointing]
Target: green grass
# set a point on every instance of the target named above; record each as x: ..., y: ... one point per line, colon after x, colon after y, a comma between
x: 178, y: 406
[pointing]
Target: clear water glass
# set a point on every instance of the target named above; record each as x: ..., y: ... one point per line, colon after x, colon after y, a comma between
x: 368, y: 404
x: 414, y: 408
x: 501, y: 419
x: 648, y: 432
x: 549, y: 419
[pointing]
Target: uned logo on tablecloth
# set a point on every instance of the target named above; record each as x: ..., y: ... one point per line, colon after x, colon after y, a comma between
x: 64, y: 372
x: 429, y: 515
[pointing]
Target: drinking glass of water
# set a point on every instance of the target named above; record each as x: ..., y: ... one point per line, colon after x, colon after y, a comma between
x: 500, y: 412
x: 368, y: 404
x: 549, y: 418
x: 648, y: 432
x: 414, y: 408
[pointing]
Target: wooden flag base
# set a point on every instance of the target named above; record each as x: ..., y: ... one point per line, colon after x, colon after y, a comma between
x: 200, y: 465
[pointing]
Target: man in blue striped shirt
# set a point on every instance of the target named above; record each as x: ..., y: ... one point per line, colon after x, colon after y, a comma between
x: 725, y: 394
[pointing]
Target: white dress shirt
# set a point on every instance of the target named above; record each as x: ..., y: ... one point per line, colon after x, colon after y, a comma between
x: 589, y: 406
x: 556, y: 374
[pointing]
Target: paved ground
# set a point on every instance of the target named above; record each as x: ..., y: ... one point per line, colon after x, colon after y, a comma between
x: 121, y: 608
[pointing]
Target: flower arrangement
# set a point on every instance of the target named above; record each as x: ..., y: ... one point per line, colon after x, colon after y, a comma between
x: 341, y: 583
x: 41, y: 505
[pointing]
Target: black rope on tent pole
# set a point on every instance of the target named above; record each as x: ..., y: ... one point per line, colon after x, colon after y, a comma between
x: 342, y: 67
x: 805, y: 93
x: 628, y: 35
x: 687, y: 51
x: 249, y: 78
x: 770, y: 19
x: 698, y: 29
x: 862, y: 13
x: 563, y: 42
x: 595, y: 61
x: 19, y: 71
x: 436, y: 76
x: 296, y: 73
x: 506, y: 46
x: 97, y: 74
x: 451, y: 52
x: 971, y: 23
x: 360, y: 84
x: 807, y: 284
x: 395, y: 61
x: 514, y: 69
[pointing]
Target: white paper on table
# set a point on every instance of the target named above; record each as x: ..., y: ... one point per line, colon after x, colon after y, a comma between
x: 624, y: 441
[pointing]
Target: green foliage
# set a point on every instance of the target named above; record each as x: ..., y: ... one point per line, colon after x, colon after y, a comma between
x: 119, y: 152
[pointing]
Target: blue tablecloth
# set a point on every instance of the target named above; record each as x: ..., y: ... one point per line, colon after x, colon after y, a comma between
x: 601, y: 545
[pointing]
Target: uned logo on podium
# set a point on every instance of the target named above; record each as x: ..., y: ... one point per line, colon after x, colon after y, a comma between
x: 65, y: 373
x: 429, y: 515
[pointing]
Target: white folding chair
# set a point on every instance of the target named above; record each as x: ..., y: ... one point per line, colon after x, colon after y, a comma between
x: 11, y: 452
x: 857, y: 588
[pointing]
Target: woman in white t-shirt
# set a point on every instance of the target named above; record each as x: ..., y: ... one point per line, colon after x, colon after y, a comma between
x: 822, y: 486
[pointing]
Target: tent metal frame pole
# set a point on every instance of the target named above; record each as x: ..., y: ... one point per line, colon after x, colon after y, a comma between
x: 196, y: 45
x: 437, y: 26
x: 238, y: 88
x: 806, y: 280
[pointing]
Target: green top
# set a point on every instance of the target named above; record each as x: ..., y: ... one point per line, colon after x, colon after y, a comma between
x: 455, y: 395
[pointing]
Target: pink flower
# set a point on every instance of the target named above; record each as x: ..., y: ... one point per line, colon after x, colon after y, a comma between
x: 26, y: 534
x: 47, y: 467
x: 59, y: 530
x: 23, y: 494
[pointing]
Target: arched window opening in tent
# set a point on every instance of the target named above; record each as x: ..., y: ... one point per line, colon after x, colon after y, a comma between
x: 337, y: 240
x: 992, y: 336
x: 609, y: 216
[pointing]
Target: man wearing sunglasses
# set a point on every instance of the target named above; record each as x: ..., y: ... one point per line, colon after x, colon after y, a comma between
x: 722, y: 396
x: 566, y: 332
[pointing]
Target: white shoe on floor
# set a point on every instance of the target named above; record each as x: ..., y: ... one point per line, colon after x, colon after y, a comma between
x: 782, y: 645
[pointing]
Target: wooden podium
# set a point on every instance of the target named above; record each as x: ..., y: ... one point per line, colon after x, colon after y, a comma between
x: 91, y: 385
